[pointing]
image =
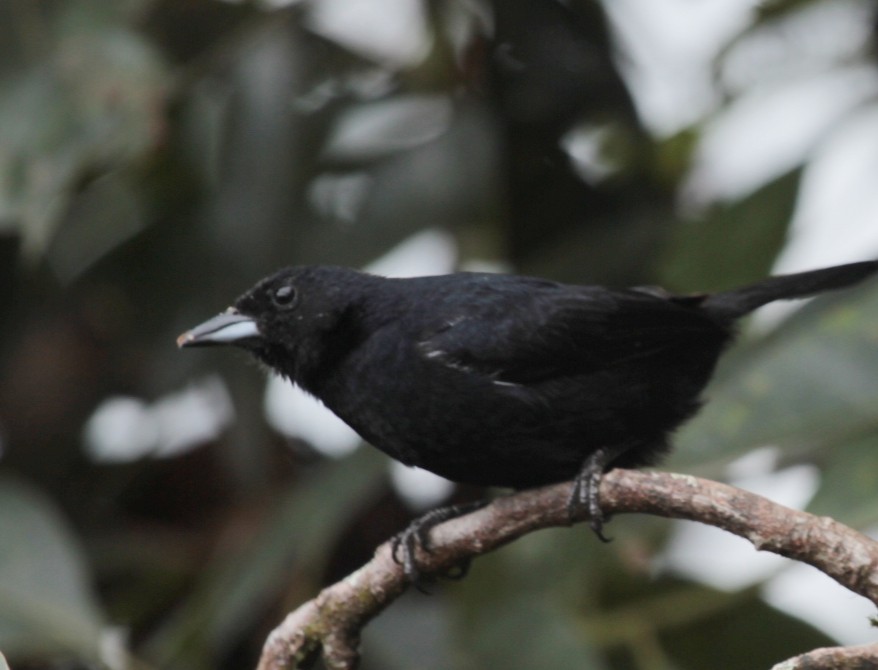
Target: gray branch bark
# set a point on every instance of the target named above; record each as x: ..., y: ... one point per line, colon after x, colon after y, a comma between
x: 864, y: 657
x: 331, y: 623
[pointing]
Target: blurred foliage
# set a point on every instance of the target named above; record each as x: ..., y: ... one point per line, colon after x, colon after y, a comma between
x: 156, y: 157
x: 47, y: 606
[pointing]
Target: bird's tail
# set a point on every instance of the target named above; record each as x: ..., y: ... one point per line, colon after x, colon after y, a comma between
x: 738, y: 302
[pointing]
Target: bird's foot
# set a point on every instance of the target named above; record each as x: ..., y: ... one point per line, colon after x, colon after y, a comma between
x: 405, y: 544
x: 586, y: 488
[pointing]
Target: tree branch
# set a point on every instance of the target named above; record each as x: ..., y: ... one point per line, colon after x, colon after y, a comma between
x: 864, y: 657
x: 331, y: 622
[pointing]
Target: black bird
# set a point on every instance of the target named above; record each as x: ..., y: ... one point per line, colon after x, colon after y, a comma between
x: 499, y: 380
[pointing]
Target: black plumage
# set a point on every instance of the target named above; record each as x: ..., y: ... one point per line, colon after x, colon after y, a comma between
x: 495, y: 379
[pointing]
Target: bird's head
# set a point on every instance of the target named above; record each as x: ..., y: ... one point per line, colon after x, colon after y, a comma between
x: 289, y: 320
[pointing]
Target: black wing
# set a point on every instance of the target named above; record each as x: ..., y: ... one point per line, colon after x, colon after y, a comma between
x: 547, y: 330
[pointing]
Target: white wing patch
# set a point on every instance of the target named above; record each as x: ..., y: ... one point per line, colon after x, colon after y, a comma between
x: 443, y: 357
x: 499, y: 382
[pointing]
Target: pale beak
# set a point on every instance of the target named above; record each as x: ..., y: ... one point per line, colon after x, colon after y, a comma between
x: 226, y: 328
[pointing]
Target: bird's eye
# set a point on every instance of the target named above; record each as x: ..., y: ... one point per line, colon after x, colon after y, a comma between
x: 284, y: 297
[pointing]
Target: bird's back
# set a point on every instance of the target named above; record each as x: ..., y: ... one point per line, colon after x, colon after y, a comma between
x: 512, y: 381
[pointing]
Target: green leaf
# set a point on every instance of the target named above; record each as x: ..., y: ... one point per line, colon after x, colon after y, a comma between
x: 735, y: 243
x: 848, y: 484
x: 104, y: 215
x: 532, y: 592
x: 746, y: 633
x: 575, y: 603
x: 46, y: 605
x: 90, y: 104
x: 809, y: 385
x: 546, y: 634
x: 291, y: 544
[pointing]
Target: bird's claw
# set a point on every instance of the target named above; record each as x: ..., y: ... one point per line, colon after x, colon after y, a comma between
x: 587, y: 489
x: 586, y: 496
x: 405, y: 544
